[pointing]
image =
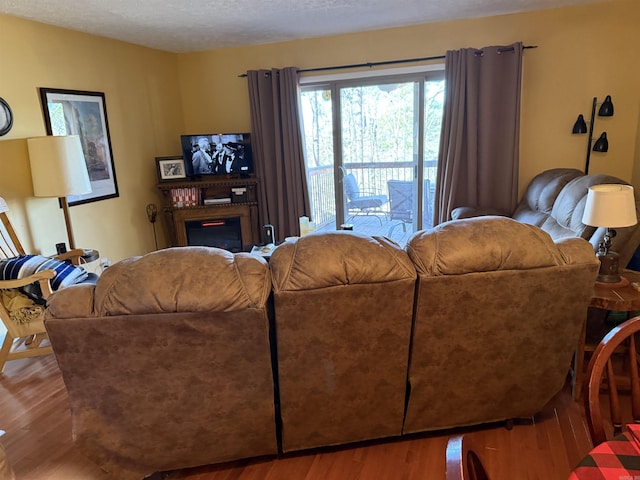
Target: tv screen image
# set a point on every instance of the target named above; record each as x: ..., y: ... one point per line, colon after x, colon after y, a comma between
x: 217, y: 154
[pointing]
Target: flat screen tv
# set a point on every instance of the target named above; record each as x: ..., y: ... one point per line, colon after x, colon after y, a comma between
x: 217, y: 154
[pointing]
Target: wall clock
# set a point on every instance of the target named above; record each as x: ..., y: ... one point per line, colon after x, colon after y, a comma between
x: 6, y: 117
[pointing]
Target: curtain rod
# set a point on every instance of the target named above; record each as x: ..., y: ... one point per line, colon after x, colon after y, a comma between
x: 389, y: 62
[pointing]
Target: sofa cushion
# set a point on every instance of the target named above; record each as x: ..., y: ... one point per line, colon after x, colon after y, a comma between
x: 231, y: 282
x: 337, y: 258
x: 461, y: 246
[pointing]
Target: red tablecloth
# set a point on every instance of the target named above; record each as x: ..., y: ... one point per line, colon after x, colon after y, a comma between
x: 616, y: 459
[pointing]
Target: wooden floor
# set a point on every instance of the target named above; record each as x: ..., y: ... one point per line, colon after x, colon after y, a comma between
x: 34, y: 413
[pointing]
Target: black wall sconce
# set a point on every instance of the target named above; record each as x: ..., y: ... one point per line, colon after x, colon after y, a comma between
x: 602, y: 144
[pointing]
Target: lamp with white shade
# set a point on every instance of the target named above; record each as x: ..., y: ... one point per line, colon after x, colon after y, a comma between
x: 58, y: 169
x: 610, y: 206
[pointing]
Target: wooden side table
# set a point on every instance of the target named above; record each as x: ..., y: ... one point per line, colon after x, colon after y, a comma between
x: 621, y: 299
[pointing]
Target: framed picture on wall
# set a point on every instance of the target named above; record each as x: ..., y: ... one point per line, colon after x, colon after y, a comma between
x: 170, y: 168
x: 77, y: 112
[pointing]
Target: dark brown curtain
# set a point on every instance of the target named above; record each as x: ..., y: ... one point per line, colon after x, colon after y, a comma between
x: 278, y: 149
x: 478, y: 159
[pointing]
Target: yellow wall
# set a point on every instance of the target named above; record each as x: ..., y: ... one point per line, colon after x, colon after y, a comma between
x: 152, y: 97
x: 582, y: 52
x: 144, y: 114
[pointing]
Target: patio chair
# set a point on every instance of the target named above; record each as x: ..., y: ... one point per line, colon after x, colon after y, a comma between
x: 359, y: 202
x: 401, y: 203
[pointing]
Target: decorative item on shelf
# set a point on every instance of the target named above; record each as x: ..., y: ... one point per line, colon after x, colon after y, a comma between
x: 170, y: 169
x: 610, y: 206
x: 580, y: 127
x: 185, y: 197
x: 58, y: 169
x: 239, y: 194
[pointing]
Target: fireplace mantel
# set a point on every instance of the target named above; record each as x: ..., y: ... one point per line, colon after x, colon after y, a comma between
x: 243, y: 206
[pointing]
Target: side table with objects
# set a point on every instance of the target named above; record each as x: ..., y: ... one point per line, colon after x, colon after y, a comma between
x: 621, y: 297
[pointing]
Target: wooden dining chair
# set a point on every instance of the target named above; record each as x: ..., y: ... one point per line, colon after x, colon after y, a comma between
x: 603, y: 386
x: 463, y: 461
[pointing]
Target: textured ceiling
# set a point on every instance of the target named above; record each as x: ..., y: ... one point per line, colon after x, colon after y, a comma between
x: 195, y: 25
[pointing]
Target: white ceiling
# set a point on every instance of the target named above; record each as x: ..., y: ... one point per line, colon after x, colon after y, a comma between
x: 195, y: 25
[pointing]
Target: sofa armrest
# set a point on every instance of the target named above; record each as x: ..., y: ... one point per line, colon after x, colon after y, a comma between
x: 469, y: 212
x: 75, y: 301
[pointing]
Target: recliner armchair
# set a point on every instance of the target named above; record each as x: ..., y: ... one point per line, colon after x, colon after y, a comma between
x: 179, y: 370
x: 555, y: 201
x: 343, y: 306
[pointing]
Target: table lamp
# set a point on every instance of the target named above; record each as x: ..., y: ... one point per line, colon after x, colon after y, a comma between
x: 610, y: 206
x: 58, y: 169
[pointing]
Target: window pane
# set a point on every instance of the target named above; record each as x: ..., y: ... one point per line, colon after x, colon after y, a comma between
x: 433, y: 108
x: 318, y: 143
x: 376, y: 153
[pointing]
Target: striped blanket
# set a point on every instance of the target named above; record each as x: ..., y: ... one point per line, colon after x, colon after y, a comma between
x: 25, y: 265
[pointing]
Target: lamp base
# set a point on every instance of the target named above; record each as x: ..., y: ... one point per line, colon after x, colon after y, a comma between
x: 609, y: 268
x: 623, y: 282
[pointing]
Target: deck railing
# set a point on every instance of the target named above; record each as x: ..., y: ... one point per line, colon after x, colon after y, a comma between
x: 372, y: 178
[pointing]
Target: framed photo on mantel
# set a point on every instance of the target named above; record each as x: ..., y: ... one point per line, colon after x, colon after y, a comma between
x: 170, y: 168
x: 77, y: 112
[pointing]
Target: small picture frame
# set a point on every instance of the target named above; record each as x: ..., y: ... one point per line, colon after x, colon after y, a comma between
x: 170, y: 168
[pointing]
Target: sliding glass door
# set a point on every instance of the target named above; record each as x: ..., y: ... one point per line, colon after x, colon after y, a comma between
x: 371, y: 152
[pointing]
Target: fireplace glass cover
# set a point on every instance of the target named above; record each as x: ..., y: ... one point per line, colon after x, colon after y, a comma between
x: 223, y: 233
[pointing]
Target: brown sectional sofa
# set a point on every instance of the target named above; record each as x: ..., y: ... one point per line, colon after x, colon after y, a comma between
x: 169, y: 360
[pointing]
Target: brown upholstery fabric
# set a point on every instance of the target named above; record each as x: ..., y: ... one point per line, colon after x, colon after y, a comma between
x: 167, y: 361
x: 343, y: 312
x: 555, y: 201
x: 499, y: 308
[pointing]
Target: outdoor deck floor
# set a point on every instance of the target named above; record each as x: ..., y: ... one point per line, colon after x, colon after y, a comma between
x: 379, y: 225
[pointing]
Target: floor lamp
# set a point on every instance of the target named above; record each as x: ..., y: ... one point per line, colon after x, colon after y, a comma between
x: 602, y: 144
x: 58, y: 169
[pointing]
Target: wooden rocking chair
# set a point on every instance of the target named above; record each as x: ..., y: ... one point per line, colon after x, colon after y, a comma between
x: 27, y: 339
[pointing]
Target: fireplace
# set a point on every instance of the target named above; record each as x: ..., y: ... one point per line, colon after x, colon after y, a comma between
x: 242, y: 218
x: 223, y: 233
